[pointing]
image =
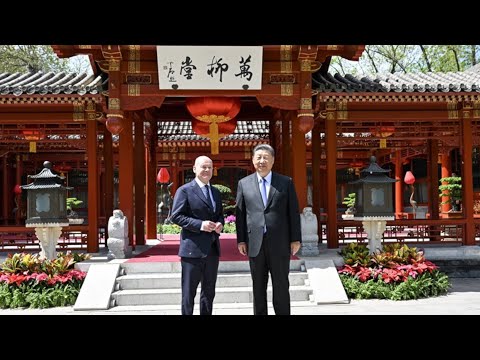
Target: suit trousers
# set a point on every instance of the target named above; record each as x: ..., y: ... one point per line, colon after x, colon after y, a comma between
x: 279, y: 268
x: 194, y: 271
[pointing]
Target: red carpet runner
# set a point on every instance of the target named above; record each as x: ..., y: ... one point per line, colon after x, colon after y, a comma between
x: 167, y: 250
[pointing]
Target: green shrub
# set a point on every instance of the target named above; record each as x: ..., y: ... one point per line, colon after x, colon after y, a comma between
x: 168, y: 229
x: 229, y: 228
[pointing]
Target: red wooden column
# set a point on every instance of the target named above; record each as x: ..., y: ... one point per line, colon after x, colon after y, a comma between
x: 93, y: 180
x: 286, y: 146
x: 151, y: 176
x: 18, y: 181
x: 445, y: 173
x: 5, y: 189
x: 108, y: 178
x: 331, y: 191
x: 467, y: 173
x: 399, y: 183
x: 316, y: 155
x: 275, y: 140
x: 139, y: 183
x: 323, y: 185
x: 299, y: 159
x: 175, y: 172
x: 125, y: 173
x: 433, y: 175
x: 317, y: 194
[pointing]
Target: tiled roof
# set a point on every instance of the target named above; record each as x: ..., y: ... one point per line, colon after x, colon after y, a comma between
x: 465, y: 81
x: 50, y: 83
x: 182, y: 130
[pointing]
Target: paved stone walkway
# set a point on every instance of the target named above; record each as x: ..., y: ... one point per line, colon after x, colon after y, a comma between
x: 463, y: 299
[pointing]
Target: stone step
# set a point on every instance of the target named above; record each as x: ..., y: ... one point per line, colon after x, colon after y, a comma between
x: 176, y: 267
x: 242, y: 294
x: 218, y: 308
x: 173, y: 280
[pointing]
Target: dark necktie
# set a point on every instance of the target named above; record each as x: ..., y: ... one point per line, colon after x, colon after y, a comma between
x: 207, y: 195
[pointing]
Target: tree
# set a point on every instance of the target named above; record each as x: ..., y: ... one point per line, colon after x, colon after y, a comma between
x: 409, y: 58
x: 228, y: 200
x: 31, y: 58
x: 451, y: 189
x: 350, y: 202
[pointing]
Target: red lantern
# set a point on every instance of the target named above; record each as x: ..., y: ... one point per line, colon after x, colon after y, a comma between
x: 163, y: 177
x: 62, y: 168
x: 214, y: 112
x: 225, y: 129
x: 114, y: 123
x: 409, y: 178
x: 382, y: 131
x: 33, y: 134
x: 305, y: 120
x: 17, y: 190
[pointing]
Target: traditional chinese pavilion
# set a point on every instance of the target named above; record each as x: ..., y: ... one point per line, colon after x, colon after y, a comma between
x: 111, y: 131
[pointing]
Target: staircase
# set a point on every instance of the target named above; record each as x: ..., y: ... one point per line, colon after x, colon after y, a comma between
x: 158, y: 284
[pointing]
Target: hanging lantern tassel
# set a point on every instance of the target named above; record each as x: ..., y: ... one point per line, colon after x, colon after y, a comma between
x: 214, y: 139
x: 218, y: 112
x: 213, y: 134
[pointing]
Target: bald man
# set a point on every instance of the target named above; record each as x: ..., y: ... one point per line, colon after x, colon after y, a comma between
x: 197, y: 208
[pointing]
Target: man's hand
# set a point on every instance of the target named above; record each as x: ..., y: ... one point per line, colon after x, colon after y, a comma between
x: 208, y: 226
x: 218, y: 227
x: 242, y: 248
x: 295, y: 246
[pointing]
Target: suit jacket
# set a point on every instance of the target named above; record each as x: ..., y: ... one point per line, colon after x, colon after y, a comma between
x: 189, y: 209
x: 281, y: 215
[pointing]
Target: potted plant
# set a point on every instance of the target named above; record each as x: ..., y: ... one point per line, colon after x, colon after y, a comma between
x: 350, y: 202
x: 451, y: 188
x: 71, y: 214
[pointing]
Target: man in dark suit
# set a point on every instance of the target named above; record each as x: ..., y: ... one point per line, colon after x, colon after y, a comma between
x: 197, y: 208
x: 268, y: 229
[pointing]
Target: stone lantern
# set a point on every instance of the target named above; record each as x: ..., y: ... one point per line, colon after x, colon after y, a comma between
x: 374, y: 202
x: 46, y: 208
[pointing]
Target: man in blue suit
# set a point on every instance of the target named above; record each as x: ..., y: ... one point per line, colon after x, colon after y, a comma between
x: 268, y: 229
x: 197, y: 208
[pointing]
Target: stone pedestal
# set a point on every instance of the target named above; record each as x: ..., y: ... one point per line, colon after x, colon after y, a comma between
x: 118, y: 236
x: 48, y: 237
x: 374, y: 226
x: 309, y: 224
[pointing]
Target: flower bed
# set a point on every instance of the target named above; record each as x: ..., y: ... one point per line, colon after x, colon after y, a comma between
x: 28, y: 281
x: 396, y: 273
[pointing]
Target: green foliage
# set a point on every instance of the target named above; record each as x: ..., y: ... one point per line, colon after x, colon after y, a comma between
x: 27, y: 281
x: 408, y: 58
x: 228, y: 200
x: 31, y: 263
x: 39, y: 296
x: 168, y: 229
x: 355, y: 254
x: 397, y: 273
x: 229, y: 228
x: 30, y: 58
x: 452, y: 189
x: 425, y: 285
x: 394, y: 254
x: 73, y: 203
x: 350, y: 202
